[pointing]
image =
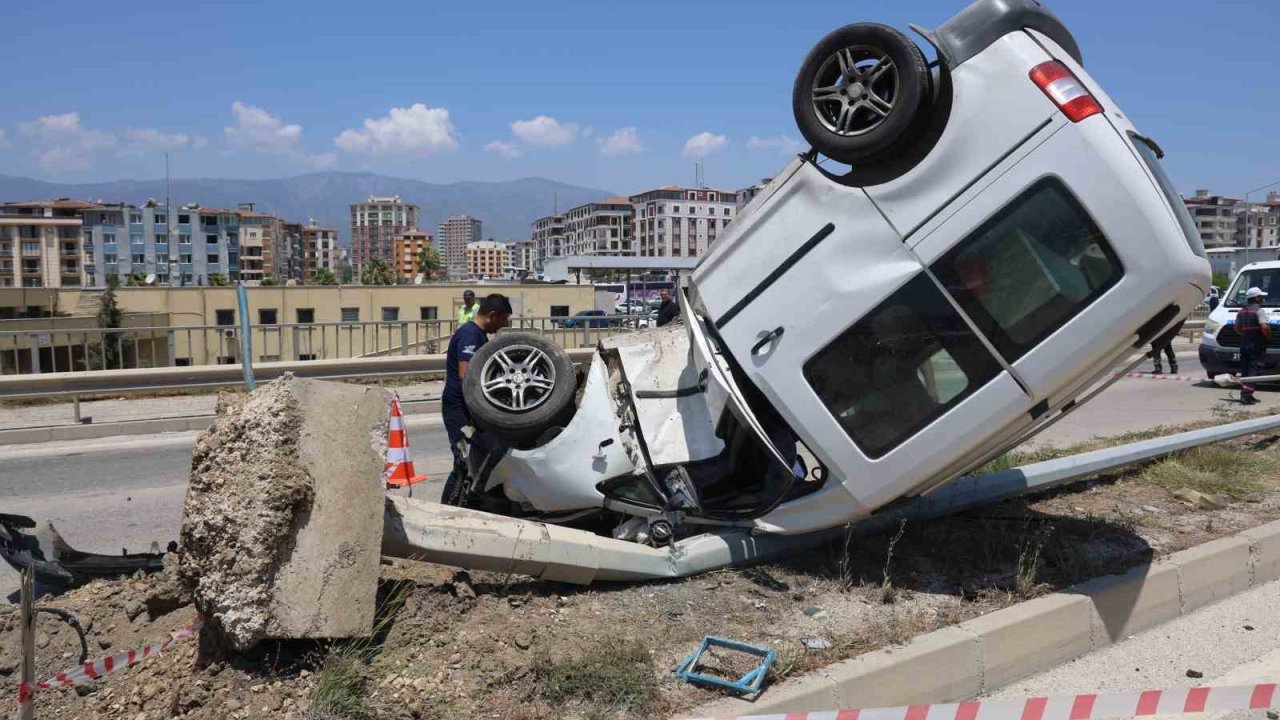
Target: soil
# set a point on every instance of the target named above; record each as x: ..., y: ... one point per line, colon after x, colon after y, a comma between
x: 458, y: 645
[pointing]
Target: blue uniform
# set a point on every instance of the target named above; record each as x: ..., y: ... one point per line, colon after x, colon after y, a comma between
x: 453, y: 408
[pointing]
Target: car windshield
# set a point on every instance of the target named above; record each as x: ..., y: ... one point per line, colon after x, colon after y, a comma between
x: 1265, y: 279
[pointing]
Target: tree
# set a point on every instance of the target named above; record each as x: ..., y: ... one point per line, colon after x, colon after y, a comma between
x: 218, y: 280
x: 269, y: 282
x: 1221, y: 279
x: 325, y: 276
x: 136, y: 279
x: 377, y: 272
x: 428, y: 262
x: 105, y: 355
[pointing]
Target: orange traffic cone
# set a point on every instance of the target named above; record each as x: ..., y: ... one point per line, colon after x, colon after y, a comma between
x: 399, y: 470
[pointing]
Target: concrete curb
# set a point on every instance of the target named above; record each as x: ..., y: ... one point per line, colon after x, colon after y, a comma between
x: 150, y: 426
x: 966, y: 660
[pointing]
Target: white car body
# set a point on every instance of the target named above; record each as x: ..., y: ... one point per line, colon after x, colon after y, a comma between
x: 811, y: 260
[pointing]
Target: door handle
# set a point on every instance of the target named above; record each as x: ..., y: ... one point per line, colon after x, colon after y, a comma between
x: 767, y: 339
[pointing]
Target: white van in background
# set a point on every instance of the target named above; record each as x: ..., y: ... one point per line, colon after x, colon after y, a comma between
x: 1220, y: 343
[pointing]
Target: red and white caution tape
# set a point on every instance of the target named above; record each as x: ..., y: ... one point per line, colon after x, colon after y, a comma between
x: 1091, y: 706
x: 1152, y: 376
x: 106, y: 665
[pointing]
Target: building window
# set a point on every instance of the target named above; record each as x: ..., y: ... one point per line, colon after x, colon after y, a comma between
x: 266, y: 316
x: 726, y: 211
x: 110, y: 259
x: 211, y: 239
x: 184, y: 239
x: 306, y: 316
x: 211, y: 258
x: 428, y: 313
x: 350, y: 314
x: 161, y: 219
x: 184, y: 219
x: 559, y: 311
x: 390, y: 314
x: 135, y: 218
x: 138, y: 258
x: 225, y: 317
x: 162, y: 238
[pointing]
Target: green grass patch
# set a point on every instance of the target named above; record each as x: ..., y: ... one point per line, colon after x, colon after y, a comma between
x: 1224, y: 470
x: 341, y: 686
x: 614, y: 676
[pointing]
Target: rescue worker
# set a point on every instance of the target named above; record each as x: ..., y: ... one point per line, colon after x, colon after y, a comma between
x: 467, y: 310
x: 490, y: 316
x: 1164, y: 344
x: 668, y: 309
x: 1251, y: 323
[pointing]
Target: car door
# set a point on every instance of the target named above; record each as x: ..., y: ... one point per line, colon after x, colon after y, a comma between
x: 862, y: 354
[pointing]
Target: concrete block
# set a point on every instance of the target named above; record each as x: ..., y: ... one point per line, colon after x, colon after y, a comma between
x: 1030, y: 637
x: 938, y: 667
x: 1124, y: 604
x: 1264, y: 546
x: 23, y: 436
x: 282, y: 525
x: 1212, y: 571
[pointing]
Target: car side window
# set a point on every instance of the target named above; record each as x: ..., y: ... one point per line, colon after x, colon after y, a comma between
x: 900, y: 367
x: 1030, y: 269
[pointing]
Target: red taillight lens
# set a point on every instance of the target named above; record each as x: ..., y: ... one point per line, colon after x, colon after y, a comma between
x: 1065, y: 90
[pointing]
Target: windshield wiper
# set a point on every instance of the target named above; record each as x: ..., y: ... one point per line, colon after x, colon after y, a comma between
x: 1155, y: 147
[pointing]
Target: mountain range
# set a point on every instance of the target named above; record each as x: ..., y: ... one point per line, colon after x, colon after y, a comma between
x: 506, y: 208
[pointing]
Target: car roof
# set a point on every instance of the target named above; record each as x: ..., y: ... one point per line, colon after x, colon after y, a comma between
x: 1262, y: 265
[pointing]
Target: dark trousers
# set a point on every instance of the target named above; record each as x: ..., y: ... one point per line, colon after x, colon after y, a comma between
x: 1168, y: 352
x: 454, y: 413
x: 1250, y: 355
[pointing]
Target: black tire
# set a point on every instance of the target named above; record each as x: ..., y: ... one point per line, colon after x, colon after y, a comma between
x: 497, y: 412
x: 850, y: 124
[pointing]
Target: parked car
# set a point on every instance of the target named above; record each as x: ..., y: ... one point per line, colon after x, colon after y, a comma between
x: 1004, y: 238
x: 1220, y: 342
x: 587, y: 318
x: 1212, y: 299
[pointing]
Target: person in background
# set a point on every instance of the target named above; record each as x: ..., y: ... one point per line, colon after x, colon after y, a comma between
x: 467, y: 310
x: 1251, y: 323
x: 1164, y: 344
x: 490, y: 316
x: 668, y: 310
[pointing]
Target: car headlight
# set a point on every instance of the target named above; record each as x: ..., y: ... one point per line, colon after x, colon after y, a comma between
x: 1211, y: 327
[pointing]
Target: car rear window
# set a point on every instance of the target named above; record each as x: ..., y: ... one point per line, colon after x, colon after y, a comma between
x: 1031, y: 268
x: 1151, y: 157
x: 900, y: 367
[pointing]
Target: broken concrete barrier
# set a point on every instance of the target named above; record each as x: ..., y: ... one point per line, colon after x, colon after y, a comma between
x: 283, y: 516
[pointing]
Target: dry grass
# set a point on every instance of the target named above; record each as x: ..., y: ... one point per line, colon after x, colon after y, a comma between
x: 616, y: 676
x: 1224, y: 470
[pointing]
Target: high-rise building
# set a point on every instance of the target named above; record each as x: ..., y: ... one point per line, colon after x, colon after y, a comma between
x: 599, y: 228
x: 260, y: 237
x: 455, y: 234
x: 675, y: 221
x: 548, y: 240
x: 40, y: 243
x: 523, y: 254
x: 375, y: 225
x: 289, y: 257
x: 409, y: 246
x: 319, y: 250
x: 487, y: 260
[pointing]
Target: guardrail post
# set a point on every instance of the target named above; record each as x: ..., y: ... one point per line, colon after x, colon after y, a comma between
x: 173, y: 348
x: 404, y: 338
x: 246, y: 341
x: 34, y: 341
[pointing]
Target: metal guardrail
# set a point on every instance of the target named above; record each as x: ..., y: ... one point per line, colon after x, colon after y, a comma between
x: 86, y: 349
x: 147, y: 380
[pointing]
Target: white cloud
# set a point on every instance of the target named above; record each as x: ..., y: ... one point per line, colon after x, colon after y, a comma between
x: 415, y: 130
x: 545, y: 131
x: 503, y: 148
x: 621, y: 142
x: 149, y: 140
x: 703, y: 144
x: 782, y: 144
x: 60, y: 142
x: 199, y: 142
x: 258, y: 130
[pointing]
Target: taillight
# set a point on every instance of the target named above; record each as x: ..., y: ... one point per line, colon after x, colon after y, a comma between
x: 1065, y: 90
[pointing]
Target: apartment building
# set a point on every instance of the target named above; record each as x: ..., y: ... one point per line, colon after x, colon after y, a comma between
x: 289, y: 255
x: 749, y: 193
x: 260, y: 235
x: 183, y: 247
x: 675, y: 221
x: 1217, y: 218
x: 456, y: 233
x: 406, y: 262
x: 375, y: 225
x: 523, y: 254
x: 319, y: 250
x: 548, y: 240
x: 599, y: 228
x: 40, y: 243
x: 487, y: 260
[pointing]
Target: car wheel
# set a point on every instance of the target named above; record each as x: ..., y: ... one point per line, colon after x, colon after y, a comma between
x: 859, y: 90
x: 518, y: 386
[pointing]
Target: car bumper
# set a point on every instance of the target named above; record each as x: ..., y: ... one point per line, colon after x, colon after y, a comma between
x: 1217, y: 360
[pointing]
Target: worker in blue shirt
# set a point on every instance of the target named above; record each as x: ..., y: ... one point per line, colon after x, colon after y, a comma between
x: 491, y: 316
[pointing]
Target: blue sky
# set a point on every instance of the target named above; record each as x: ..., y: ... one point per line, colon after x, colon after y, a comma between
x: 612, y: 95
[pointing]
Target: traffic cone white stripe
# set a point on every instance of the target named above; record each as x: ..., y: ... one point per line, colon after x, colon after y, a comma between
x: 395, y: 456
x: 397, y: 422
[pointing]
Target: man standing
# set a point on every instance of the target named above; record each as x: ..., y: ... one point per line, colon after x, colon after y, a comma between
x: 1164, y: 344
x: 668, y: 310
x: 467, y: 311
x: 490, y: 316
x: 1251, y: 323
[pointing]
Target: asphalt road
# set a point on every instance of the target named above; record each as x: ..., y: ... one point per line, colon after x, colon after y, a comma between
x: 113, y: 493
x: 1233, y: 642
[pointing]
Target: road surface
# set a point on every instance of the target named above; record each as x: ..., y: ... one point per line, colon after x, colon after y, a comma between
x: 113, y: 493
x: 1232, y: 642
